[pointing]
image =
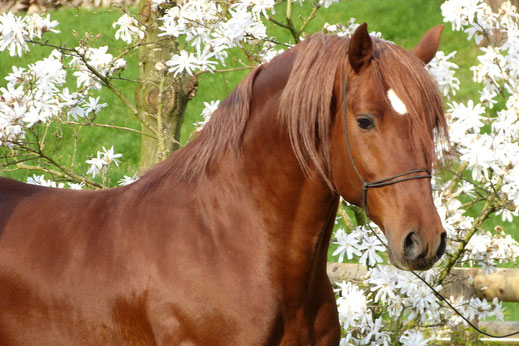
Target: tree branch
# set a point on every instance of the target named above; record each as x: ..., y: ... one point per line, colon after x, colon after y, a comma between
x: 92, y: 124
x: 65, y: 170
x: 488, y: 209
x: 310, y: 17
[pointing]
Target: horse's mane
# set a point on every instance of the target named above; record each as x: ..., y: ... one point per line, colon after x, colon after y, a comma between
x: 306, y: 107
x: 222, y: 133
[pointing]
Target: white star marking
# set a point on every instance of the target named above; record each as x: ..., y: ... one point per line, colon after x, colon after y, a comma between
x: 396, y: 103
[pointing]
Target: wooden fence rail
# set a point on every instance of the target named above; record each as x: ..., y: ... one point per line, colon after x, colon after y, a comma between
x: 503, y: 284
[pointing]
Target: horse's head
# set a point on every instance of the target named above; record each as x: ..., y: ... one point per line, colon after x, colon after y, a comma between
x: 394, y: 109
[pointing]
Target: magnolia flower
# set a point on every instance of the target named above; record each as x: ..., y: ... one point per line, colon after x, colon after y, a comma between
x: 375, y: 334
x: 155, y: 4
x: 507, y: 215
x: 126, y: 180
x: 99, y: 59
x: 443, y: 71
x: 497, y: 311
x: 102, y: 161
x: 37, y: 25
x: 129, y: 29
x: 204, y: 61
x: 109, y: 156
x: 461, y: 12
x: 413, y: 338
x: 183, y: 62
x: 40, y: 180
x: 382, y: 281
x: 468, y: 117
x: 13, y: 34
x: 76, y: 186
x: 96, y: 165
x: 257, y: 6
x: 209, y: 109
x: 352, y: 304
x: 348, y: 244
x: 370, y: 246
x: 479, y: 154
x: 93, y: 105
x: 423, y: 300
x: 327, y: 3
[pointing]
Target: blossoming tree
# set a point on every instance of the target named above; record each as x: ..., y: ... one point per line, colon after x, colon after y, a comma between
x: 180, y: 40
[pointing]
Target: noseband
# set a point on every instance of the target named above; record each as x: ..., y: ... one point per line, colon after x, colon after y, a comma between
x: 377, y: 183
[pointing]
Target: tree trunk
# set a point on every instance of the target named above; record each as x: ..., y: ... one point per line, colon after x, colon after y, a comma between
x: 497, y: 36
x: 160, y: 97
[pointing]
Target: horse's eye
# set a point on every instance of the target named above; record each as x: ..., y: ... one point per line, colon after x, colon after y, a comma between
x: 365, y: 122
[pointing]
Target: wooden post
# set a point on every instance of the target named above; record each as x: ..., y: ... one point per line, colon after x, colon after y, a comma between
x: 503, y: 284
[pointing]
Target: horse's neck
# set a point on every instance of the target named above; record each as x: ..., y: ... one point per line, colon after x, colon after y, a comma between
x: 293, y: 211
x: 282, y: 216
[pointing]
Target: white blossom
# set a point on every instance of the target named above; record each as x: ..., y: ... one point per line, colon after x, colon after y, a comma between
x: 96, y: 165
x: 100, y: 60
x: 413, y: 338
x: 327, y: 3
x: 348, y: 244
x: 370, y: 246
x: 127, y: 180
x: 182, y: 62
x: 37, y: 25
x: 76, y: 186
x: 352, y: 305
x: 102, y: 161
x: 93, y: 105
x: 443, y: 71
x: 40, y: 180
x: 208, y: 110
x: 461, y: 12
x: 109, y: 156
x: 129, y: 29
x: 13, y: 34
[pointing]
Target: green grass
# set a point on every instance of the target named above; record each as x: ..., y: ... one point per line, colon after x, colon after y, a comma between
x: 394, y: 18
x: 403, y: 22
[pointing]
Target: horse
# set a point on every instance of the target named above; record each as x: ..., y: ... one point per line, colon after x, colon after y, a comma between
x: 225, y: 242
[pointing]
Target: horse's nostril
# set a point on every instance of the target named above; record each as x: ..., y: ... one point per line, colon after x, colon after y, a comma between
x: 443, y: 245
x: 413, y: 248
x: 409, y: 240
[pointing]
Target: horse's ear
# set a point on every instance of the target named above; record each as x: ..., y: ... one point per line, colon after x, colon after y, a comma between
x: 361, y: 48
x: 426, y: 49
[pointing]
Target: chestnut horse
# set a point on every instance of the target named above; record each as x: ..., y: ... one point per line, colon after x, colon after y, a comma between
x: 225, y: 242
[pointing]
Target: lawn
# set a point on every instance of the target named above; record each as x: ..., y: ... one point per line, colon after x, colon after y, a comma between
x: 395, y: 19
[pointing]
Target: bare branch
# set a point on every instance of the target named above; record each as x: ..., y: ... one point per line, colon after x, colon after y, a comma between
x: 92, y: 124
x: 226, y: 70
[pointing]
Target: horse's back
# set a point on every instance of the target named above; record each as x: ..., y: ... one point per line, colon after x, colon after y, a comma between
x: 45, y: 234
